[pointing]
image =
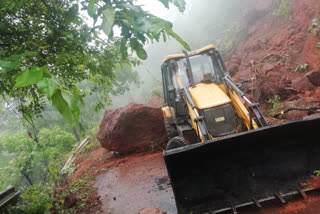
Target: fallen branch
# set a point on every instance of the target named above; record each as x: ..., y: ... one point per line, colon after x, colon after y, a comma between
x: 69, y: 162
x: 311, y: 110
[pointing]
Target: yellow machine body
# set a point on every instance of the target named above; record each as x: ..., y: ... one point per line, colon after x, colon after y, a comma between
x: 226, y: 157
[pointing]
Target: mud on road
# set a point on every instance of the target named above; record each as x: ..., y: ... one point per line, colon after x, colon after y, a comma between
x: 139, y: 182
x: 127, y: 185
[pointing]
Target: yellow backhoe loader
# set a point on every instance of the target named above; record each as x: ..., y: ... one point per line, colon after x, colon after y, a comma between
x: 222, y: 157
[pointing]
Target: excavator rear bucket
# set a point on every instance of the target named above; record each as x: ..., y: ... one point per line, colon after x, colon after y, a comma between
x: 245, y: 170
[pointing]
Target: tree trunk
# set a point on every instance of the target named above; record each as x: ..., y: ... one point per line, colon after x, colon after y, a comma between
x: 75, y: 133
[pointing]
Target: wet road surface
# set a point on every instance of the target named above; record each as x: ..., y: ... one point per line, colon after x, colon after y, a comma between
x: 139, y: 182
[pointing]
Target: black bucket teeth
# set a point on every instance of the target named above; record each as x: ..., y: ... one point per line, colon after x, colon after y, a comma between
x: 251, y: 168
x: 270, y: 201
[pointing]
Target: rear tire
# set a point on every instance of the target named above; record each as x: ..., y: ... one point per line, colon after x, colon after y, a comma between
x: 170, y: 128
x: 176, y: 142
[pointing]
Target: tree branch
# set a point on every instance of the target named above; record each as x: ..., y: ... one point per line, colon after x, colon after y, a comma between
x: 311, y: 110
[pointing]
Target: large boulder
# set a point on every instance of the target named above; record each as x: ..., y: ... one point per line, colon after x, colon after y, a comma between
x: 302, y: 84
x: 314, y: 77
x: 133, y: 128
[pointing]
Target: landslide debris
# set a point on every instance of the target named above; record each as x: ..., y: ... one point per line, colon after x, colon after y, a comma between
x: 278, y: 57
x: 132, y: 128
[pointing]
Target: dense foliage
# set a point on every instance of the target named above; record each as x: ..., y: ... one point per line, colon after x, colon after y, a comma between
x: 46, y: 49
x: 52, y: 59
x: 30, y: 160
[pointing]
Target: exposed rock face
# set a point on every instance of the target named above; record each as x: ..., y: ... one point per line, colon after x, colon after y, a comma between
x: 133, y: 128
x: 233, y: 65
x: 302, y: 84
x: 314, y: 77
x: 233, y: 69
x: 270, y: 51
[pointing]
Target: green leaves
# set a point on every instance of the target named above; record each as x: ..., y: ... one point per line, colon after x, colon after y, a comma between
x: 71, y: 102
x: 63, y: 43
x: 138, y: 48
x: 180, y: 4
x: 29, y: 77
x: 124, y: 48
x: 92, y: 8
x: 141, y: 53
x: 165, y: 3
x: 137, y: 26
x: 14, y: 61
x: 66, y: 105
x: 108, y: 19
x: 284, y: 8
x: 61, y: 99
x: 48, y: 86
x: 180, y: 40
x: 7, y: 66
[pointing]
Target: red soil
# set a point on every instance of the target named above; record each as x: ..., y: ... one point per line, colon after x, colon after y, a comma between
x: 139, y: 184
x: 155, y: 102
x: 314, y: 182
x: 308, y: 206
x: 130, y: 170
x: 265, y: 62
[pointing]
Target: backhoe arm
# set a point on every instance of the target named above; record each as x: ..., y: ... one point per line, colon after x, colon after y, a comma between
x: 254, y: 107
x: 199, y: 119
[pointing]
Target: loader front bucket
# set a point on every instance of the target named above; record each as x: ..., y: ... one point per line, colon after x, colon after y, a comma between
x: 224, y: 175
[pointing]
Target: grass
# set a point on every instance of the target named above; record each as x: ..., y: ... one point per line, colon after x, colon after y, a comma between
x: 284, y: 9
x: 157, y: 91
x: 314, y: 29
x: 316, y: 172
x: 276, y: 103
x: 303, y: 67
x: 155, y: 146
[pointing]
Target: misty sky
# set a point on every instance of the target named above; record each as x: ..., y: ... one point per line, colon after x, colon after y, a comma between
x: 157, y: 8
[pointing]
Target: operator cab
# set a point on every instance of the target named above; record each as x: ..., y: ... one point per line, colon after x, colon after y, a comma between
x: 204, y: 81
x: 206, y: 67
x: 203, y: 69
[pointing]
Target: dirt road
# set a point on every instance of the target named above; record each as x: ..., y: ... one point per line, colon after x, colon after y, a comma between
x: 126, y: 185
x: 140, y: 182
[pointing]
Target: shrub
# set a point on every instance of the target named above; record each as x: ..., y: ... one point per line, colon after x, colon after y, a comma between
x: 276, y: 103
x: 284, y: 8
x: 157, y: 91
x: 30, y: 159
x: 303, y: 67
x: 36, y: 199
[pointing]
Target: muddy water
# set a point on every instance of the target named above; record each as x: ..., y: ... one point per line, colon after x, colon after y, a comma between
x: 137, y: 183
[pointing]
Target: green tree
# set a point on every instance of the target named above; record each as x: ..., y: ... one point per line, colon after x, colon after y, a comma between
x: 30, y: 159
x: 46, y: 49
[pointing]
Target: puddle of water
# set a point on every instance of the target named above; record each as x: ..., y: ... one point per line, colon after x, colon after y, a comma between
x: 136, y: 184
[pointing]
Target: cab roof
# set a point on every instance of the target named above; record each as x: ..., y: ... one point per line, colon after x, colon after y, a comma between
x: 191, y: 53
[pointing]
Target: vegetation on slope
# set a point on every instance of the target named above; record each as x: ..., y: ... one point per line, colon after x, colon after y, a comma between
x: 57, y: 68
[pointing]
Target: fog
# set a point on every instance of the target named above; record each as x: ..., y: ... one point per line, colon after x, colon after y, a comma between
x: 203, y: 22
